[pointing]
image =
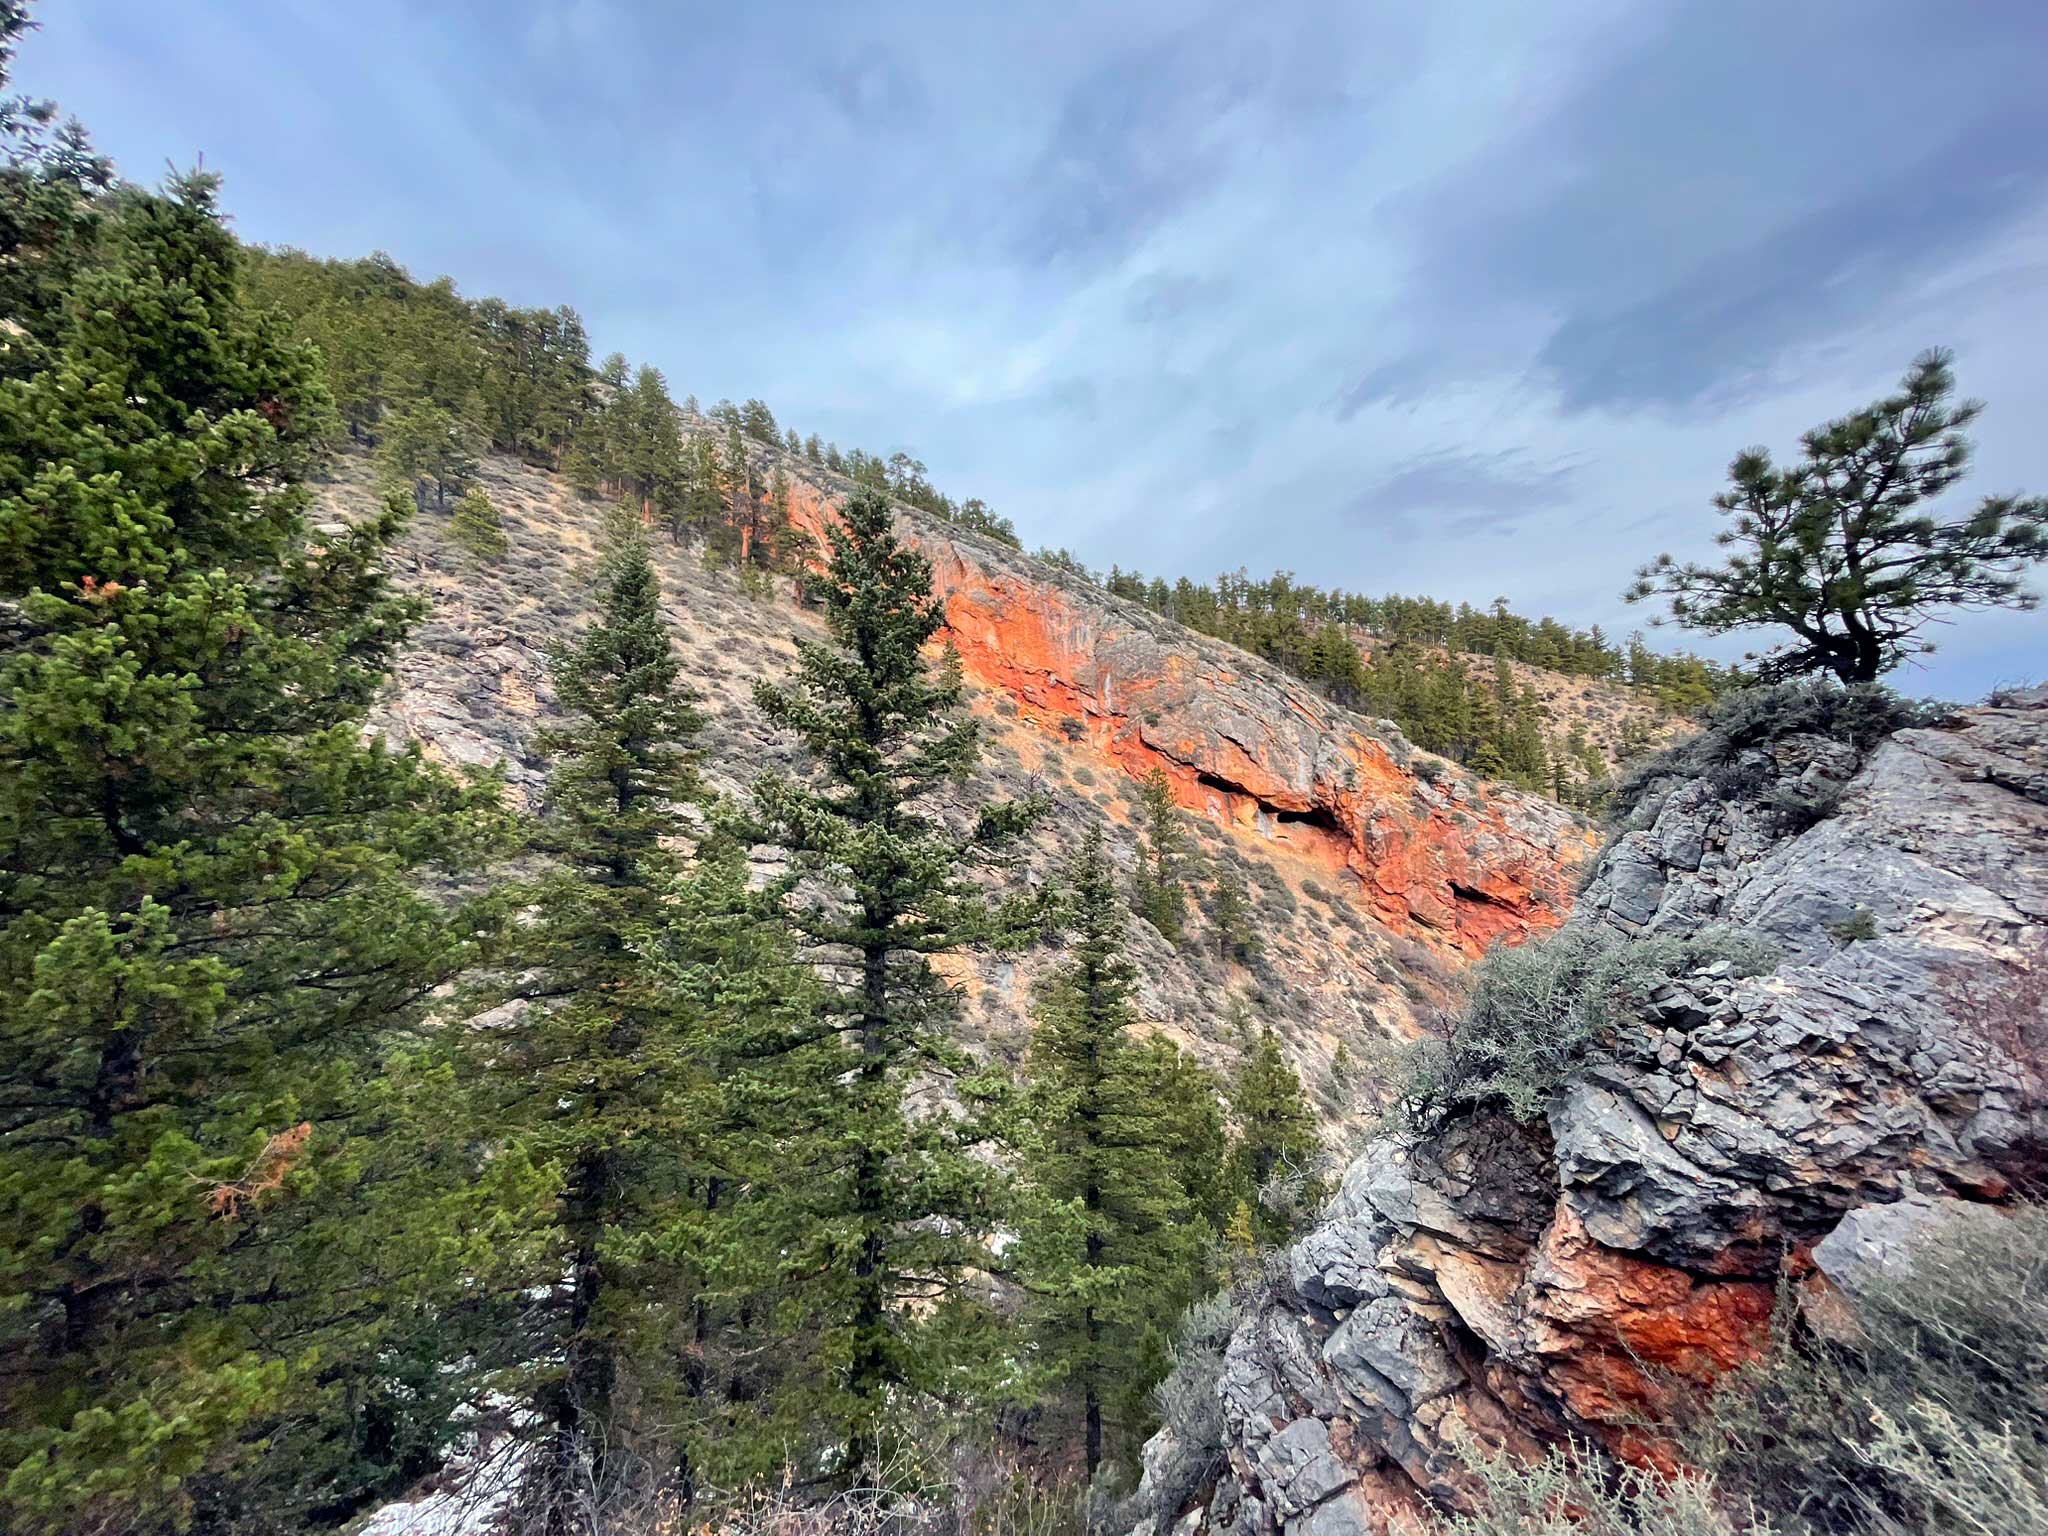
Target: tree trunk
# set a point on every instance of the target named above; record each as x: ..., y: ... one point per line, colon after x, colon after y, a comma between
x: 583, y: 1401
x: 868, y: 1374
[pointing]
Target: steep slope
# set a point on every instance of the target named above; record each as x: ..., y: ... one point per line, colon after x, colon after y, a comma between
x: 1609, y: 713
x: 1373, y: 866
x: 1523, y: 1283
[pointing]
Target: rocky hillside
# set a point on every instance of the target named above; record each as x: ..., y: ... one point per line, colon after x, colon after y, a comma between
x: 1374, y: 867
x: 1613, y: 716
x: 1517, y: 1284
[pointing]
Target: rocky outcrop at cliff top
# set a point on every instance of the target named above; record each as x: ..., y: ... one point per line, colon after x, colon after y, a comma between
x: 1524, y: 1283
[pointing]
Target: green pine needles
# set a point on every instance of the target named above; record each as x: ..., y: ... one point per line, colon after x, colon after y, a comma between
x: 221, y: 1228
x: 1117, y: 1242
x: 901, y: 1205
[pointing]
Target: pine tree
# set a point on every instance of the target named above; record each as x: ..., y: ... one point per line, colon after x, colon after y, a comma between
x: 773, y: 535
x: 1159, y: 886
x: 594, y: 1074
x: 653, y: 450
x: 425, y: 446
x: 742, y: 510
x: 1839, y: 548
x: 899, y: 1205
x: 477, y: 527
x: 1275, y: 1135
x: 214, y: 935
x: 1116, y: 1251
x: 1230, y: 918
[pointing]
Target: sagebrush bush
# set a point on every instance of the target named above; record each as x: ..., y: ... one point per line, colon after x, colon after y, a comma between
x: 1575, y: 1491
x: 1535, y: 1011
x: 1934, y: 1419
x: 1859, y: 716
x: 1190, y: 1412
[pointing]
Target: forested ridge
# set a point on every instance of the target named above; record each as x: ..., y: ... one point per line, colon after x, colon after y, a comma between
x: 428, y: 380
x: 339, y: 1107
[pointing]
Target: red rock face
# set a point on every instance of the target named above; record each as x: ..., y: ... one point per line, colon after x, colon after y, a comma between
x: 1617, y: 1337
x: 1422, y: 847
x: 1426, y: 851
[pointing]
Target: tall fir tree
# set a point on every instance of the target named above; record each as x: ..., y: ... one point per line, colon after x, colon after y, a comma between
x: 222, y: 1227
x: 654, y: 449
x: 1230, y: 918
x: 883, y: 1263
x: 1159, y: 885
x: 597, y: 1075
x: 1117, y: 1249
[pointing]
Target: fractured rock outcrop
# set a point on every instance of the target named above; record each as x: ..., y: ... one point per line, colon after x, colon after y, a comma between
x: 1517, y: 1284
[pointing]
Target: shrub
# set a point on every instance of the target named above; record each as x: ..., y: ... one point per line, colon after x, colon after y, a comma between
x: 1931, y: 1420
x: 1535, y: 1012
x: 477, y: 527
x: 1859, y: 716
x: 1190, y: 1404
x: 1575, y: 1491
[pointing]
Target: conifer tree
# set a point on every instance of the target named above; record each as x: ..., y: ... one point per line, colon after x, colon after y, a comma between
x: 703, y: 505
x: 1840, y: 549
x: 477, y: 527
x: 1117, y: 1249
x: 425, y: 448
x: 595, y: 1074
x: 898, y: 1205
x: 1275, y: 1134
x: 1230, y: 918
x: 1159, y: 886
x: 737, y: 470
x: 653, y: 450
x: 212, y: 936
x: 768, y: 544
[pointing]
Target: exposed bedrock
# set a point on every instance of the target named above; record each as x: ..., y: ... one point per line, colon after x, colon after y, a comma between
x: 1522, y: 1283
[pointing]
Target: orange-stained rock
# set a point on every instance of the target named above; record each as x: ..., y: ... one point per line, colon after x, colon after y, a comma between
x: 1424, y: 848
x: 1618, y: 1337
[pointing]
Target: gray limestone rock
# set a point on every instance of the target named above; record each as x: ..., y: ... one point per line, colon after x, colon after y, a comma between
x: 1892, y: 1061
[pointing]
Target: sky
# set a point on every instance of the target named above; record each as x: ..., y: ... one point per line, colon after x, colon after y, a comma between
x: 1461, y: 300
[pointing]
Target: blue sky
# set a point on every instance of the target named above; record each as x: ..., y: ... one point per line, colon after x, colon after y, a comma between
x: 1466, y: 299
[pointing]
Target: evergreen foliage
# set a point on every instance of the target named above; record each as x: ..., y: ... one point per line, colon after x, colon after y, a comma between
x: 592, y: 1077
x: 1275, y: 1142
x: 477, y: 527
x: 1230, y: 918
x: 1159, y: 885
x: 1839, y: 548
x: 226, y: 1229
x: 424, y: 448
x: 898, y: 1205
x: 1118, y: 1247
